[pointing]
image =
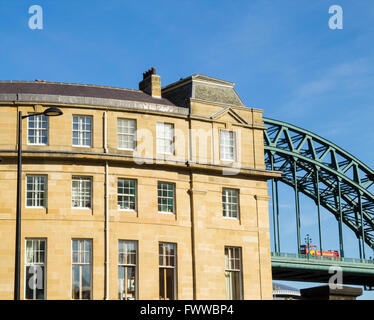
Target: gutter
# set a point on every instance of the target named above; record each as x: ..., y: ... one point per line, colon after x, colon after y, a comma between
x: 192, y: 213
x: 106, y: 200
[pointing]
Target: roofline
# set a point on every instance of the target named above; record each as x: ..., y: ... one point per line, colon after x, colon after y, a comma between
x: 201, y: 78
x: 70, y: 84
x: 30, y: 98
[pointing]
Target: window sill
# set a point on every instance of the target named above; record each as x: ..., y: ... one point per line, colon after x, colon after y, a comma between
x: 231, y: 218
x: 36, y: 211
x: 78, y: 146
x: 166, y: 154
x: 127, y: 210
x: 125, y: 149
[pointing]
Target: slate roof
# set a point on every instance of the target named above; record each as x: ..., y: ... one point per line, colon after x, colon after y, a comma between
x: 80, y: 90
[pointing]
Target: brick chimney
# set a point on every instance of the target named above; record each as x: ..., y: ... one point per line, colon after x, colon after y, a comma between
x: 151, y: 83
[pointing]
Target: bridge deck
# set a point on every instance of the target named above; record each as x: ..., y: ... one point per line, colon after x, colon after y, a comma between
x: 300, y: 267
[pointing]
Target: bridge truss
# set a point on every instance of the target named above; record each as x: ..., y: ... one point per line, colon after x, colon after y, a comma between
x: 327, y: 174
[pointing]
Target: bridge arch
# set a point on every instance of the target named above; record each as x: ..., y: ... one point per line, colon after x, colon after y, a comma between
x: 330, y: 176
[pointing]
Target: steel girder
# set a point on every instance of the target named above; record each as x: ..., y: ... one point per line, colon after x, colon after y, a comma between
x: 326, y: 173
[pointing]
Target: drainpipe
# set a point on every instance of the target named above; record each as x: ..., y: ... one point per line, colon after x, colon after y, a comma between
x: 106, y: 225
x: 105, y: 120
x: 193, y: 237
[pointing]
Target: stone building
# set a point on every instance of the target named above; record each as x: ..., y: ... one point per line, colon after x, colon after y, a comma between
x: 156, y: 193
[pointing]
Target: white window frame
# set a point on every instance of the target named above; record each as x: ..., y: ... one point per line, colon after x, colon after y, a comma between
x: 125, y: 265
x: 36, y: 191
x: 165, y: 266
x: 226, y: 192
x: 129, y: 134
x: 81, y: 179
x: 164, y: 138
x: 80, y: 264
x: 229, y: 269
x: 82, y: 131
x: 224, y: 155
x: 167, y: 197
x: 38, y: 263
x: 135, y: 195
x: 39, y: 118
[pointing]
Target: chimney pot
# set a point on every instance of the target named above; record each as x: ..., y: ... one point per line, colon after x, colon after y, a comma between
x: 151, y: 83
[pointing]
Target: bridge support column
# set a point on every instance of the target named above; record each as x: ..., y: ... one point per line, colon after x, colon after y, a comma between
x: 318, y: 203
x: 340, y: 220
x: 362, y: 224
x: 277, y: 201
x: 297, y: 205
x: 273, y: 197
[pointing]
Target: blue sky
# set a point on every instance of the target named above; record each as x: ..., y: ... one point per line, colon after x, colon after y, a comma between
x: 282, y: 56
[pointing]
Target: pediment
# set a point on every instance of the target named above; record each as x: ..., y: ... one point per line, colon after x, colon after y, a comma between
x: 228, y: 115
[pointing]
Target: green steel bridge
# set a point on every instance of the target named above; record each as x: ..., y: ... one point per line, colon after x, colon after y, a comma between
x: 336, y: 181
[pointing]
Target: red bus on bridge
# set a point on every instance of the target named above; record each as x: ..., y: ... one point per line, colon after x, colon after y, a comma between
x: 312, y: 250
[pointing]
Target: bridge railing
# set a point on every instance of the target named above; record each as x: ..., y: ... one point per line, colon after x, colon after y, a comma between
x: 319, y: 258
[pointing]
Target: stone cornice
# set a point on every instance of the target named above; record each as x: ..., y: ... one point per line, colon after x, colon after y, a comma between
x: 90, y: 101
x: 227, y: 171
